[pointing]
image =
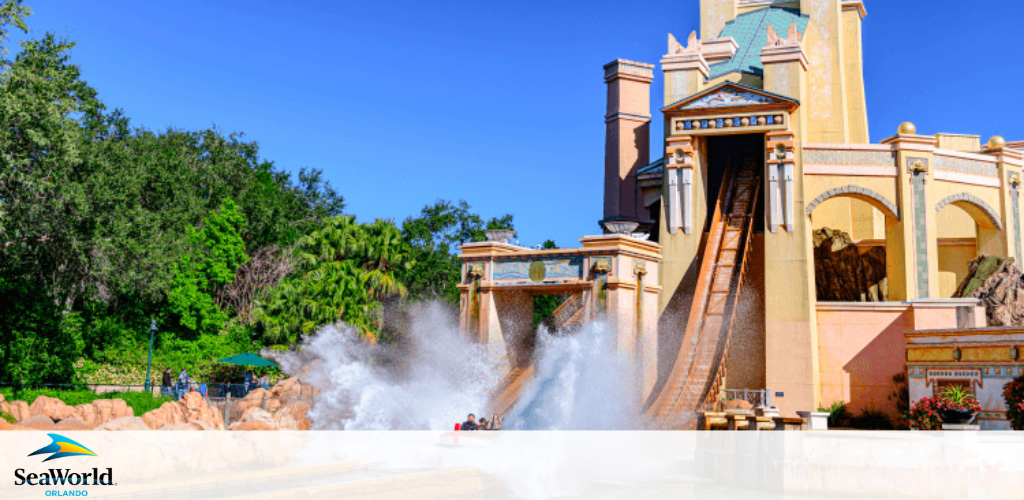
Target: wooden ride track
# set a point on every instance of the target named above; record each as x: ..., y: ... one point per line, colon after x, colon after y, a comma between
x: 699, y: 369
x: 507, y: 394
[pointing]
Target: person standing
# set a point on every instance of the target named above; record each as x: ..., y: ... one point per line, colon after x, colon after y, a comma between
x: 182, y: 383
x: 167, y: 388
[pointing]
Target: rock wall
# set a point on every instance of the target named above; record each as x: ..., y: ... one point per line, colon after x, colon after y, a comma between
x: 997, y: 282
x: 843, y: 273
x: 287, y: 404
x: 62, y: 416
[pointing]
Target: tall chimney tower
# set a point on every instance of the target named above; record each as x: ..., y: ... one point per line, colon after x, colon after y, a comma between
x: 627, y: 144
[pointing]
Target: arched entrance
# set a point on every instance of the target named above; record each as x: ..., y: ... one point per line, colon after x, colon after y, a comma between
x: 851, y: 256
x: 966, y: 226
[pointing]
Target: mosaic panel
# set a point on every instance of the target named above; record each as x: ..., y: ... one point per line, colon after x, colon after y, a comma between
x: 1015, y: 195
x: 920, y: 227
x: 553, y: 269
x: 966, y: 166
x: 849, y: 157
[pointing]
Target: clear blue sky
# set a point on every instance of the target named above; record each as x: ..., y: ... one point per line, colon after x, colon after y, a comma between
x: 500, y: 103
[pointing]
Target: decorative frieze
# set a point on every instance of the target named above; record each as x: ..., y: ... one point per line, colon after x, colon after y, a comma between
x: 849, y: 157
x: 740, y: 122
x: 729, y: 98
x: 548, y: 269
x: 966, y: 166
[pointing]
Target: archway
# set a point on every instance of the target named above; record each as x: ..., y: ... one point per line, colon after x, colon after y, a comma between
x: 966, y: 227
x: 851, y: 261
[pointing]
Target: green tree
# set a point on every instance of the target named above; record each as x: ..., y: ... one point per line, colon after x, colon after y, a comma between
x: 217, y: 251
x: 346, y: 269
x: 434, y: 237
x: 95, y: 219
x: 44, y: 268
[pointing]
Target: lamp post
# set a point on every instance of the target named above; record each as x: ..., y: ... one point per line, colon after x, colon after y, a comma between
x: 149, y: 364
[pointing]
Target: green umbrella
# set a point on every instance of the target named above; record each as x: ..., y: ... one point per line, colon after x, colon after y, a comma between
x: 248, y: 359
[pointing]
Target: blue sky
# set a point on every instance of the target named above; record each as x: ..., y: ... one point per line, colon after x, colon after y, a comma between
x: 500, y: 103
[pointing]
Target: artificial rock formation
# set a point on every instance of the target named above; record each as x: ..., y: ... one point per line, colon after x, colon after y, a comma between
x: 285, y: 408
x: 842, y: 273
x: 190, y: 408
x: 38, y: 422
x: 997, y: 282
x: 61, y: 416
x: 124, y: 424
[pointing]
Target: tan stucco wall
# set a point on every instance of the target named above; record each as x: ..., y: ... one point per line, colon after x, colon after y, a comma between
x: 853, y: 74
x: 959, y: 142
x: 861, y: 346
x: 826, y: 100
x: 954, y: 254
x: 713, y: 16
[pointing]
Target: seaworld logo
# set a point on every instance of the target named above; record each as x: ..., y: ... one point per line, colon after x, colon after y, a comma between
x: 59, y: 448
x: 62, y: 447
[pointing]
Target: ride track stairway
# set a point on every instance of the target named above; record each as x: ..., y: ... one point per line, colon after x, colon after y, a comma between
x: 699, y: 369
x: 507, y: 393
x: 569, y: 313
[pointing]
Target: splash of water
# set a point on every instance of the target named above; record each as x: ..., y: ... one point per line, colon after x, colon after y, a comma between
x: 581, y: 383
x: 436, y: 376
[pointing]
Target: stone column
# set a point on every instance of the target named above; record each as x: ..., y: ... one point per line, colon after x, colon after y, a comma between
x: 791, y: 338
x: 631, y: 296
x: 853, y: 74
x: 627, y: 135
x: 684, y: 208
x: 826, y: 100
x: 713, y: 16
x: 911, y: 248
x: 1010, y: 178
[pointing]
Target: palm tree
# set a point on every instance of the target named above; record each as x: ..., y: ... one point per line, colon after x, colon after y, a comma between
x: 346, y: 269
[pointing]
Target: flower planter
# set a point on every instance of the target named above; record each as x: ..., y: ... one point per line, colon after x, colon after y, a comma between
x: 499, y: 235
x: 956, y: 416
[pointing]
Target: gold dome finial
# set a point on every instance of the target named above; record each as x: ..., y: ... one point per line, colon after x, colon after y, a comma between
x: 908, y: 128
x: 996, y: 142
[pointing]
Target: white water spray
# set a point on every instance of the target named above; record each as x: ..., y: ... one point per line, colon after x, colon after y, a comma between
x: 581, y: 383
x: 435, y: 377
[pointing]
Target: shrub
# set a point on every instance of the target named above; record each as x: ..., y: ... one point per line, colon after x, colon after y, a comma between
x: 141, y: 402
x: 924, y: 414
x: 872, y: 419
x: 838, y: 414
x: 8, y: 417
x: 900, y: 395
x: 1013, y: 394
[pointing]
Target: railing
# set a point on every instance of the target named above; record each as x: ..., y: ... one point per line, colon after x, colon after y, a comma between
x: 756, y: 397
